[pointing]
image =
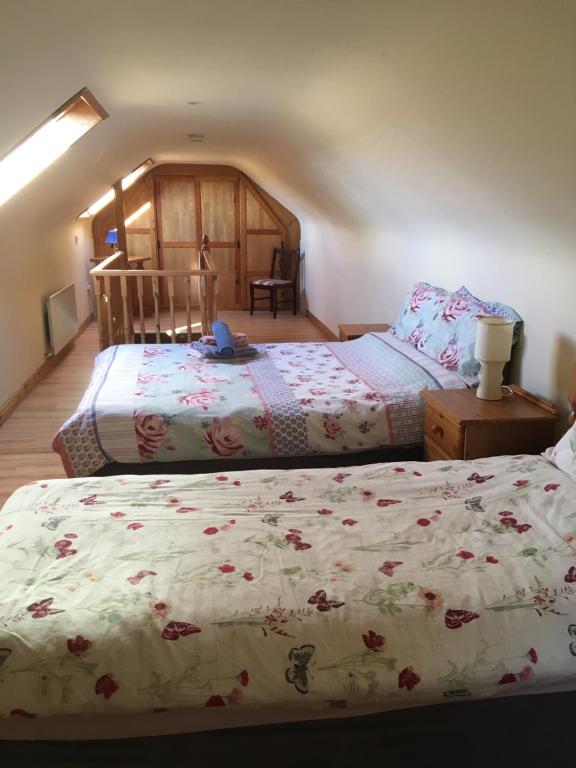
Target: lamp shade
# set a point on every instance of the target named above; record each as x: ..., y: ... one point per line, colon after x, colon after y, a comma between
x: 494, y: 339
x: 112, y: 237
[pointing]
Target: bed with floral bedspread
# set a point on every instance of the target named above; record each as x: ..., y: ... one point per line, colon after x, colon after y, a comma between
x: 387, y: 586
x: 166, y: 403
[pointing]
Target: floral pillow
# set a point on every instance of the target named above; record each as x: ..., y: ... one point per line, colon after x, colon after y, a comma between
x: 493, y: 308
x: 564, y: 453
x: 418, y: 315
x: 457, y: 333
x: 442, y: 325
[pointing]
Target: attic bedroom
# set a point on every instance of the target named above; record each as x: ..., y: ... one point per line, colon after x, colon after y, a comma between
x: 287, y: 380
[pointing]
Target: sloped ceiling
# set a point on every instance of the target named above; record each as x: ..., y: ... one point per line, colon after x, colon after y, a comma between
x: 350, y: 110
x: 414, y: 139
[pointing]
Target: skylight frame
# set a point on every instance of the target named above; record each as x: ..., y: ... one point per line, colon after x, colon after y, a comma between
x: 18, y: 169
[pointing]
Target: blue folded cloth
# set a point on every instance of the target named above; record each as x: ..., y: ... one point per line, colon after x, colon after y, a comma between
x: 212, y: 352
x: 224, y: 340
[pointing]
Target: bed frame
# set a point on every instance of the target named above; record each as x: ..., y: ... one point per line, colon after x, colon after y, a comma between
x: 206, y: 466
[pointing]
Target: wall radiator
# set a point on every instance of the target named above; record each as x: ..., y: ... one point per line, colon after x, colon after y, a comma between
x: 62, y: 317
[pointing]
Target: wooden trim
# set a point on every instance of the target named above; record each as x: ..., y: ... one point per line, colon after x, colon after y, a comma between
x: 158, y: 220
x: 194, y: 244
x: 149, y: 183
x: 261, y: 200
x: 179, y: 244
x: 97, y: 272
x: 237, y: 247
x: 87, y: 95
x: 137, y: 230
x: 532, y: 398
x: 263, y: 232
x: 319, y: 324
x: 214, y: 179
x: 572, y: 398
x: 244, y: 303
x: 170, y: 177
x: 198, y: 215
x: 120, y: 216
x: 8, y: 408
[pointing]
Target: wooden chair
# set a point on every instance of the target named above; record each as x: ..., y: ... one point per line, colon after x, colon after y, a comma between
x: 288, y: 265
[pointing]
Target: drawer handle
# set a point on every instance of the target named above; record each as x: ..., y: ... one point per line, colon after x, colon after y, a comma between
x: 437, y: 430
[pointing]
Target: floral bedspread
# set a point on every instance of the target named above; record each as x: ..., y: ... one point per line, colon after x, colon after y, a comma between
x: 388, y: 585
x: 167, y: 403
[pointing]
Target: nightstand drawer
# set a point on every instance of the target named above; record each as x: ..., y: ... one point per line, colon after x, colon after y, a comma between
x: 446, y: 435
x: 432, y: 452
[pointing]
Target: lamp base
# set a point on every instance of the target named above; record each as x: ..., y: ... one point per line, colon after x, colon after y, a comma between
x: 490, y: 386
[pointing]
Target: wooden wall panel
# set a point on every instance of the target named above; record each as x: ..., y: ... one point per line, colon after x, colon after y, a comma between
x: 139, y: 246
x: 260, y: 252
x: 256, y: 216
x: 225, y: 262
x: 177, y: 208
x: 218, y: 210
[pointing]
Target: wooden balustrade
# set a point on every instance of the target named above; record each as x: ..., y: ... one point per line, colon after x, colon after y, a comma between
x: 118, y: 289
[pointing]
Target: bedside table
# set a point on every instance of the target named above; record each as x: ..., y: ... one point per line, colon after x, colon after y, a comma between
x: 349, y: 331
x: 457, y: 425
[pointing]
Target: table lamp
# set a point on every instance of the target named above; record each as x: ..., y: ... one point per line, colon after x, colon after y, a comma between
x: 493, y: 350
x: 112, y: 238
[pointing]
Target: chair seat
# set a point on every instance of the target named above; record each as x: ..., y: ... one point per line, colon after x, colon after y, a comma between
x: 270, y: 282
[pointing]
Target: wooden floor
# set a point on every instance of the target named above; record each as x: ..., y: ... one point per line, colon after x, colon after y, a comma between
x: 25, y: 438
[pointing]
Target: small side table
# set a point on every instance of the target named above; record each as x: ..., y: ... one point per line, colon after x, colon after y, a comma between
x: 349, y: 331
x: 458, y: 425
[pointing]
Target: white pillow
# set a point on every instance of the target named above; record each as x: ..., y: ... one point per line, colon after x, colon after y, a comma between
x: 564, y: 453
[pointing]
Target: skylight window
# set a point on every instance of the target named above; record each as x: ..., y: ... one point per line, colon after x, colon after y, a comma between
x: 127, y: 181
x: 50, y: 140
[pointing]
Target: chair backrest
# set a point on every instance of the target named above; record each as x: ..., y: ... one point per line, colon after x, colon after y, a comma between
x: 288, y: 261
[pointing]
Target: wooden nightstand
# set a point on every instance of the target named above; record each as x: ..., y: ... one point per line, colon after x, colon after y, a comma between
x: 349, y: 331
x: 457, y: 425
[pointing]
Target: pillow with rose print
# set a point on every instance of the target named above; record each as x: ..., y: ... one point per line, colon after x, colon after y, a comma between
x: 563, y: 454
x: 418, y: 316
x: 494, y: 308
x: 455, y: 333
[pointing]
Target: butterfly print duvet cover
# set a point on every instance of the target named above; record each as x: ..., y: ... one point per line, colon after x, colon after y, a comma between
x: 385, y: 586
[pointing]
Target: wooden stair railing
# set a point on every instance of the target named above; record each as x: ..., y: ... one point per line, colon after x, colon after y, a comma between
x: 113, y: 289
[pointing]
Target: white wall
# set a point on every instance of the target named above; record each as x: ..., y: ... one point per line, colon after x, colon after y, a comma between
x: 460, y: 168
x: 36, y: 263
x: 361, y: 277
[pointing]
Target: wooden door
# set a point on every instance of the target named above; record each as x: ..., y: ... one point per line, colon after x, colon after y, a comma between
x: 178, y: 230
x: 219, y: 217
